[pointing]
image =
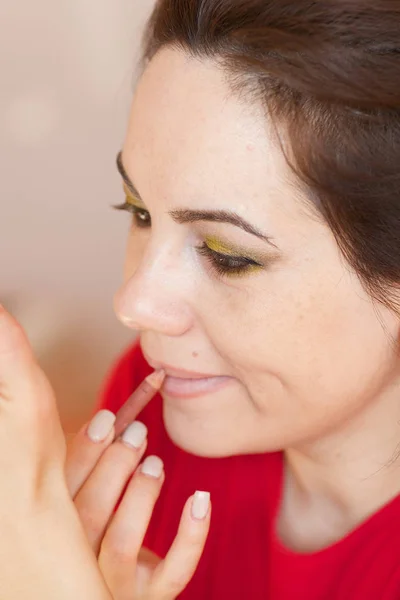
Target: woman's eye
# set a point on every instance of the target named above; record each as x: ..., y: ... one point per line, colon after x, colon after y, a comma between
x: 225, y: 264
x: 141, y: 217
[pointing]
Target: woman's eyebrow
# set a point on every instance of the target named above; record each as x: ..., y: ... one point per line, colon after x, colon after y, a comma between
x: 124, y: 175
x: 185, y: 215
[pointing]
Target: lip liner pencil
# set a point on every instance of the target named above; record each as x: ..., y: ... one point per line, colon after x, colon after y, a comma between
x: 138, y: 400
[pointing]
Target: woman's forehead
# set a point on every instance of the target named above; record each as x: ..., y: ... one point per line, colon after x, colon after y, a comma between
x: 191, y: 129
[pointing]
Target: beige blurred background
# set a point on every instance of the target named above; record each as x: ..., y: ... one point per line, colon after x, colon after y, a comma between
x: 67, y: 74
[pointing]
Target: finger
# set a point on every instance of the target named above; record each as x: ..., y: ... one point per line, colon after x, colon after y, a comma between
x: 98, y: 497
x: 89, y: 444
x: 146, y: 564
x: 174, y: 573
x: 30, y: 427
x: 25, y: 393
x: 124, y: 537
x: 16, y: 359
x: 86, y: 448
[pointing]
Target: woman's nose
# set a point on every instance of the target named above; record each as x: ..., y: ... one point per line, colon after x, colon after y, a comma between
x: 152, y: 299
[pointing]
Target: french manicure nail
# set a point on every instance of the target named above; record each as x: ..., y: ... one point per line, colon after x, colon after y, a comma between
x: 135, y: 434
x: 152, y: 466
x: 101, y: 425
x: 200, y: 505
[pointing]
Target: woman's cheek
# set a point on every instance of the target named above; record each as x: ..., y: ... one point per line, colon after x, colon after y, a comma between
x: 134, y: 252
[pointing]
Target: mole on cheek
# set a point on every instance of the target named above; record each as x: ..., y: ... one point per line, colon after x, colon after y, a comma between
x: 195, y: 354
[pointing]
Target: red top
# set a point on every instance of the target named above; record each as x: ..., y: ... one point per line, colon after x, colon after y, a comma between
x: 243, y: 559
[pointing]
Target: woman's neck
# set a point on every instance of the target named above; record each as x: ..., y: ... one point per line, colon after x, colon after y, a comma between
x: 332, y: 485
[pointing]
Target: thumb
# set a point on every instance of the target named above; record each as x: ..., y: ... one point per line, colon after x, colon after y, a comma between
x: 17, y: 364
x: 24, y: 388
x: 28, y: 408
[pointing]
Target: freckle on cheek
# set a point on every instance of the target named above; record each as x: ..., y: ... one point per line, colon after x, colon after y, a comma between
x: 195, y: 354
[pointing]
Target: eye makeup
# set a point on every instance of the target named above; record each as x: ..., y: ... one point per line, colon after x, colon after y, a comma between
x: 141, y: 216
x: 224, y: 259
x: 223, y: 247
x: 229, y: 260
x: 131, y: 198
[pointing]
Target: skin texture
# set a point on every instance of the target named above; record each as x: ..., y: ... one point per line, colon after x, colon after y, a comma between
x: 313, y: 360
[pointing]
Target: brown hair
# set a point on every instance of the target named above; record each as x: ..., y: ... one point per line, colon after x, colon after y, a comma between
x: 329, y: 72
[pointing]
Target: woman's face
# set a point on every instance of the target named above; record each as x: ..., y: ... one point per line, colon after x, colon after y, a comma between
x: 230, y: 274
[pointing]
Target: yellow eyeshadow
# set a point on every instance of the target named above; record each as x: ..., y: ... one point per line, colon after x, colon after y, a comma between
x: 220, y: 247
x: 131, y: 199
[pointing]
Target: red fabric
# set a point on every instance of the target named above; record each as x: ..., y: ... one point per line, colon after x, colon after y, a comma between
x: 243, y: 560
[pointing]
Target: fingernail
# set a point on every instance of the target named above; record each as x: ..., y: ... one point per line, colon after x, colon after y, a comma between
x: 135, y: 434
x: 152, y: 466
x: 156, y: 379
x: 101, y: 425
x: 200, y: 505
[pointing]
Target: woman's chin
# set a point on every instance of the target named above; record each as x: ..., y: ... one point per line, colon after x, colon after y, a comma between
x: 213, y: 434
x: 194, y: 436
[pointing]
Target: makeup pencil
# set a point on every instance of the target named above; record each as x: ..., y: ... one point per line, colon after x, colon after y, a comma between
x: 138, y: 400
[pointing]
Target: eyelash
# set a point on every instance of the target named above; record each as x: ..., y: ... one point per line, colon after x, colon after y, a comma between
x: 223, y: 264
x: 140, y: 216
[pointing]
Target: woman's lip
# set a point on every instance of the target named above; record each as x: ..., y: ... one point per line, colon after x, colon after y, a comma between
x: 189, y: 388
x: 178, y: 373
